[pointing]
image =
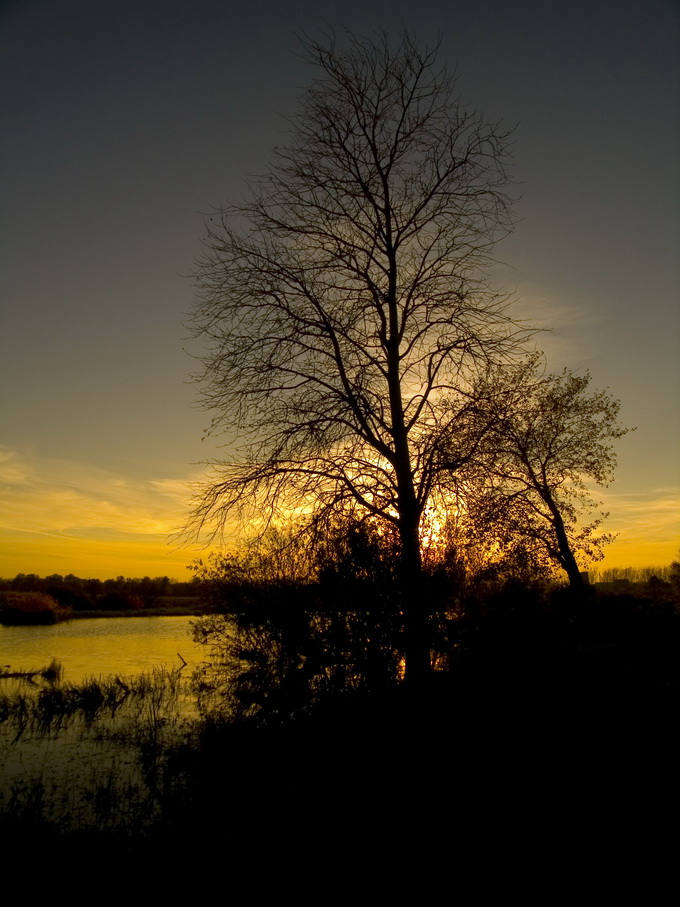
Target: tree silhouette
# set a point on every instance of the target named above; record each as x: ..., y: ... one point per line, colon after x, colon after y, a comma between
x: 549, y: 436
x: 345, y: 300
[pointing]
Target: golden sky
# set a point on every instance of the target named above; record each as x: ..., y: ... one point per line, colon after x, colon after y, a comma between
x: 116, y: 142
x: 65, y: 516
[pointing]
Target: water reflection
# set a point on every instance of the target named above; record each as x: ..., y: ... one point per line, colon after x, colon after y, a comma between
x: 92, y: 749
x: 101, y: 646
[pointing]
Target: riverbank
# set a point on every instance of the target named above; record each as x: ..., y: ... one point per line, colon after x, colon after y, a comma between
x: 19, y: 614
x: 180, y: 610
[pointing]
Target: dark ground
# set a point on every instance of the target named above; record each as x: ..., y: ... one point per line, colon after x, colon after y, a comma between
x: 546, y: 769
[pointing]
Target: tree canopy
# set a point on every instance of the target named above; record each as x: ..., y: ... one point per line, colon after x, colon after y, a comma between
x: 346, y: 294
x: 549, y: 442
x: 345, y: 304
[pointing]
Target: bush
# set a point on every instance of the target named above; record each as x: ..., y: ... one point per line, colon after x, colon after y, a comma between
x: 120, y: 601
x: 31, y: 608
x: 70, y: 599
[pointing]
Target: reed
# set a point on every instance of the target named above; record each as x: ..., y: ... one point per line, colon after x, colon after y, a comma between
x: 56, y: 705
x: 105, y: 747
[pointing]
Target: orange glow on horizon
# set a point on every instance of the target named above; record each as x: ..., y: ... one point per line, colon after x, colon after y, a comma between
x: 88, y: 558
x: 94, y: 559
x: 59, y: 516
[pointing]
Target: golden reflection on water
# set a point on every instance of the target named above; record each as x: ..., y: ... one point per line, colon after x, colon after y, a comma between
x: 88, y: 752
x: 101, y: 646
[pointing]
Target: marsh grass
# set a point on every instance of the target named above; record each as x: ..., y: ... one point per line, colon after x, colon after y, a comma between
x: 55, y: 706
x: 91, y: 756
x: 52, y: 673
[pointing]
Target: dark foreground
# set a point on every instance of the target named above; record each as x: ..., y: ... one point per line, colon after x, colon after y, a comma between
x: 519, y: 766
x: 522, y: 772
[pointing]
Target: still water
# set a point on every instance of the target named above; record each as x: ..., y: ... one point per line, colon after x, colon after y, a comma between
x: 102, y: 646
x: 92, y: 770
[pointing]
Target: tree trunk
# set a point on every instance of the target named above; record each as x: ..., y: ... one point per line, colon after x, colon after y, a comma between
x: 566, y: 554
x: 416, y: 641
x: 416, y: 630
x: 416, y: 636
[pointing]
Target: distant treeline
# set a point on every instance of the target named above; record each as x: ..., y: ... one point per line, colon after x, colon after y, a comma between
x: 152, y: 588
x: 635, y: 574
x: 121, y: 593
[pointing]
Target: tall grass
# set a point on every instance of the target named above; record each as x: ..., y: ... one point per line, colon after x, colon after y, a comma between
x: 91, y: 756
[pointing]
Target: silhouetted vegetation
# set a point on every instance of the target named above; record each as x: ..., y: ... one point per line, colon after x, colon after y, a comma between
x: 335, y: 627
x: 29, y: 598
x: 356, y: 354
x: 31, y: 608
x: 303, y: 720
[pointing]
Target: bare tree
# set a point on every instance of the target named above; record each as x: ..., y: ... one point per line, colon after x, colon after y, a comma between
x: 550, y: 436
x: 345, y: 299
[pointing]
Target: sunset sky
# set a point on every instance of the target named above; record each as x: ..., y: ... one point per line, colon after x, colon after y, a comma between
x: 125, y: 123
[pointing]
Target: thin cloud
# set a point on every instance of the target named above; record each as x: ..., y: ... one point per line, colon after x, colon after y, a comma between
x: 72, y: 498
x: 561, y: 323
x: 658, y: 510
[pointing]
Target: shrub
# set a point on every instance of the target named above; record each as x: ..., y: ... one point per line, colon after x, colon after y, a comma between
x: 31, y: 608
x: 120, y: 601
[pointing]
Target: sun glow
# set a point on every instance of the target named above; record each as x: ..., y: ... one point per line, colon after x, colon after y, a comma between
x: 62, y: 516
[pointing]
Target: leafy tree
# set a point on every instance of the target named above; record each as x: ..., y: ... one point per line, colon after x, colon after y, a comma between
x: 345, y: 300
x: 355, y: 561
x: 674, y: 579
x: 552, y: 436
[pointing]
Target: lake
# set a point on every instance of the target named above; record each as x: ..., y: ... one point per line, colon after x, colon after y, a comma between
x: 103, y: 767
x: 94, y: 647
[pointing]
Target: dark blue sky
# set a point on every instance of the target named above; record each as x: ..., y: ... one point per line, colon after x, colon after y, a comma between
x: 123, y: 123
